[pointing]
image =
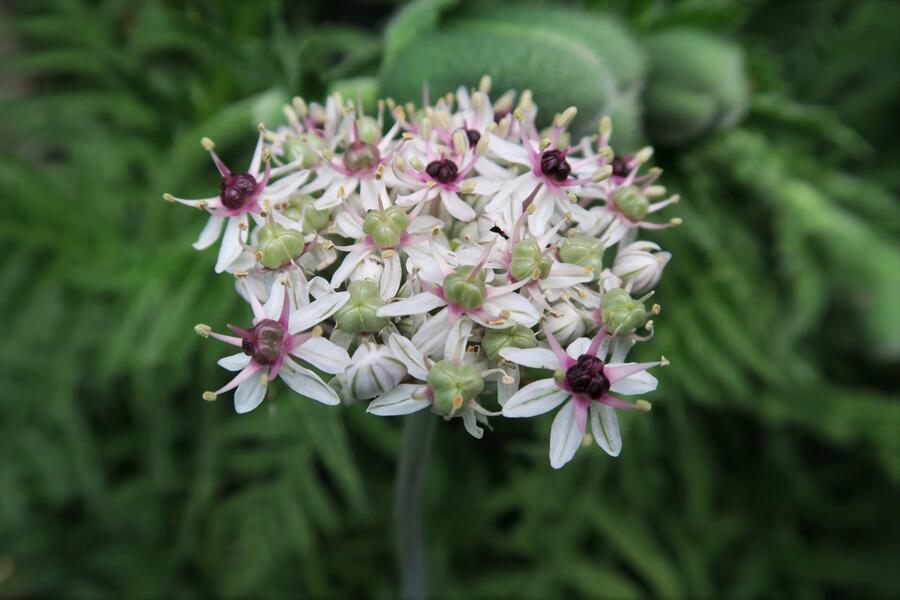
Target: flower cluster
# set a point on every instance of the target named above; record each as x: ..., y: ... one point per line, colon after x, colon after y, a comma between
x: 459, y: 260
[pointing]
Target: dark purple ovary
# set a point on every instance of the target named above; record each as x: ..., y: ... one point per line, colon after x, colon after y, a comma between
x: 236, y: 189
x: 443, y: 171
x: 554, y: 165
x: 265, y: 342
x: 586, y: 377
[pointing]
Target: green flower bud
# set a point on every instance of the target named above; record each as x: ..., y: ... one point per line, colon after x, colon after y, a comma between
x: 361, y: 157
x: 453, y: 385
x: 459, y: 290
x: 278, y: 245
x: 306, y: 149
x: 621, y: 312
x: 359, y: 314
x: 304, y: 205
x: 584, y: 251
x: 369, y: 130
x: 495, y: 340
x: 631, y: 202
x: 386, y: 227
x: 528, y: 260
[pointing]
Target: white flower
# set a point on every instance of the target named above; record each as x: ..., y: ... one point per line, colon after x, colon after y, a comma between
x: 475, y: 231
x: 583, y: 382
x: 276, y: 335
x: 240, y: 196
x: 641, y: 264
x: 373, y: 370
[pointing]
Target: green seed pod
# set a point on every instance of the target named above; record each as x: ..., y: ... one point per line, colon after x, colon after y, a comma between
x: 304, y: 205
x: 387, y: 227
x: 453, y: 385
x: 621, y: 312
x: 696, y: 85
x: 361, y: 157
x: 359, y: 314
x: 369, y: 130
x: 306, y: 149
x: 459, y: 290
x: 631, y: 202
x: 495, y: 340
x: 528, y: 260
x: 584, y: 251
x: 278, y: 245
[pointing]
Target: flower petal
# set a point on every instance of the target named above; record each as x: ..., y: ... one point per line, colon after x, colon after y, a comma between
x: 537, y: 358
x: 210, y: 233
x: 398, y: 401
x: 471, y: 424
x: 250, y: 394
x: 414, y: 305
x: 231, y: 243
x: 431, y: 334
x: 304, y: 318
x: 637, y: 383
x: 323, y: 354
x: 409, y: 355
x: 535, y: 399
x: 390, y: 278
x: 306, y: 383
x: 456, y: 206
x: 520, y: 309
x: 565, y: 436
x: 605, y: 427
x: 235, y: 362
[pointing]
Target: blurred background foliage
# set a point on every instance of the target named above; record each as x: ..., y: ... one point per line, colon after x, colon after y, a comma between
x: 770, y: 466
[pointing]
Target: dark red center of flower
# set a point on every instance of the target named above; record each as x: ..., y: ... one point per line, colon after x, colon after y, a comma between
x: 473, y: 137
x: 554, y: 165
x: 442, y: 171
x: 586, y: 377
x: 619, y: 165
x: 236, y: 188
x: 265, y: 342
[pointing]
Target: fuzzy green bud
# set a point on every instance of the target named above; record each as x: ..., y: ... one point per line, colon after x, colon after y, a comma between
x: 387, y: 227
x: 528, y: 260
x: 360, y: 313
x: 453, y: 385
x: 631, y: 202
x: 463, y: 290
x: 697, y: 85
x: 369, y: 130
x: 361, y: 157
x: 278, y: 245
x: 306, y: 149
x: 303, y: 205
x: 495, y: 340
x: 621, y: 312
x: 584, y: 251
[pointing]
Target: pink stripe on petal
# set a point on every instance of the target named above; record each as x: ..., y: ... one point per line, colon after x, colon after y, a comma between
x: 245, y: 374
x: 565, y: 361
x: 617, y: 372
x: 616, y: 403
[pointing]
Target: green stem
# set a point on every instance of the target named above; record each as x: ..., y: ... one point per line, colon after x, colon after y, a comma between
x: 408, y: 491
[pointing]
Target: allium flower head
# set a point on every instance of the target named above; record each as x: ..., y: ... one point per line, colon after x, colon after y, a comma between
x: 451, y: 249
